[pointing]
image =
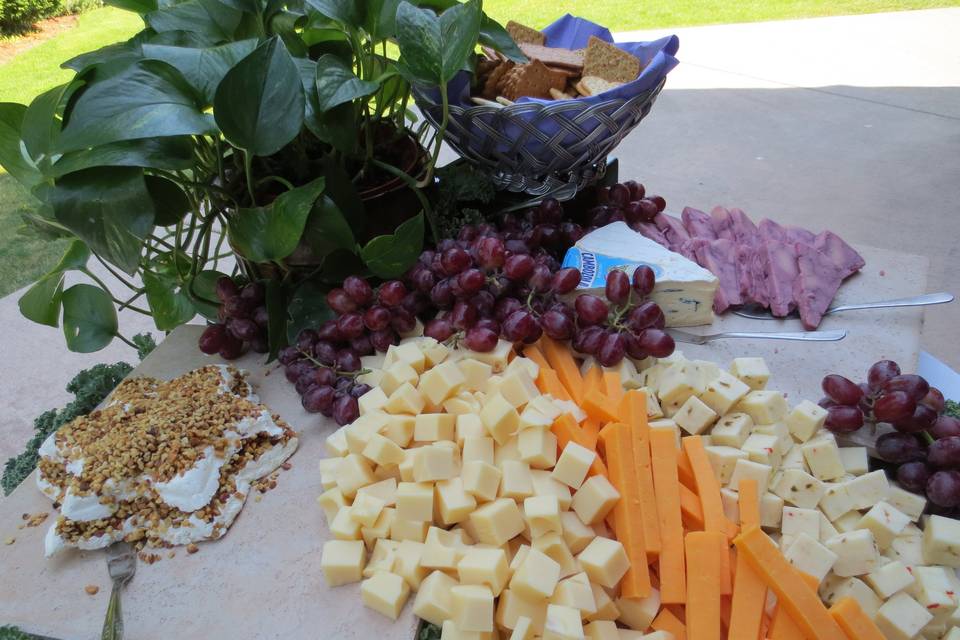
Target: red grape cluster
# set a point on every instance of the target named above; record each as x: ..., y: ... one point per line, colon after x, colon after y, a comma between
x: 609, y: 329
x: 925, y: 444
x: 243, y: 321
x: 625, y: 202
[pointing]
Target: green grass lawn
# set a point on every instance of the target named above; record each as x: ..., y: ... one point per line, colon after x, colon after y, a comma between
x: 38, y: 69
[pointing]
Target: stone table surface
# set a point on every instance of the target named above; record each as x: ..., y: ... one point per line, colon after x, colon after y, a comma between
x: 263, y: 579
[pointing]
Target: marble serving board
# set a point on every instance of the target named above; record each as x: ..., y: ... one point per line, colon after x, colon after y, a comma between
x: 263, y: 579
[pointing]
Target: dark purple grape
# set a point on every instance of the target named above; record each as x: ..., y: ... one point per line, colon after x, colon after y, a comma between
x: 898, y: 448
x: 484, y: 302
x: 551, y: 210
x: 945, y: 427
x: 659, y: 202
x: 463, y: 315
x: 391, y: 293
x: 631, y: 342
x: 417, y: 303
x: 518, y: 267
x: 923, y: 418
x: 491, y: 253
x: 318, y: 399
x: 617, y: 288
x: 362, y: 345
x: 328, y: 331
x: 515, y: 246
x: 648, y: 210
x: 402, y: 320
x: 348, y: 360
x: 657, y: 343
x: 518, y: 325
x: 226, y: 288
x: 424, y: 280
x: 540, y: 278
x: 237, y: 307
x: 345, y: 410
x: 307, y: 380
x: 504, y: 307
x: 535, y: 334
x: 644, y: 315
x: 612, y: 350
x: 467, y: 233
x: 913, y: 476
x: 426, y: 257
x: 212, y: 338
x: 454, y: 260
x: 357, y: 390
x: 342, y: 385
x: 288, y: 355
x: 842, y: 390
x: 826, y: 403
x: 590, y: 309
x: 480, y: 339
x: 557, y: 325
x: 442, y: 295
x: 261, y: 316
x: 588, y: 340
x: 323, y: 375
x: 439, y: 329
x: 471, y: 281
x: 340, y: 302
x: 376, y: 318
x: 944, y: 453
x: 382, y: 339
x: 619, y: 194
x: 644, y: 280
x: 231, y: 349
x: 843, y: 419
x: 943, y: 488
x: 358, y: 289
x: 350, y: 325
x: 306, y: 339
x: 294, y: 370
x: 254, y: 293
x: 325, y: 352
x: 242, y: 328
x: 880, y: 372
x: 636, y: 189
x: 912, y: 384
x: 488, y: 323
x: 893, y: 406
x: 935, y: 400
x: 260, y: 344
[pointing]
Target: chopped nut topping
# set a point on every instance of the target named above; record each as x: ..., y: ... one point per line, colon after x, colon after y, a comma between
x: 92, y: 589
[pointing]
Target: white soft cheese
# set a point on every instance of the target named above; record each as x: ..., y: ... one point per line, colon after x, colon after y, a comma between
x: 85, y: 508
x: 194, y: 487
x: 684, y: 290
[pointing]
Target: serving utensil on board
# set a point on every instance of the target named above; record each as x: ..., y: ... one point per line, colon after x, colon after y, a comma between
x: 121, y: 565
x: 762, y: 313
x: 802, y: 336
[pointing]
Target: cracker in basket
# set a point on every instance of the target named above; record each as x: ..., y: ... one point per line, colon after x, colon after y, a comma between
x: 556, y: 94
x: 523, y: 33
x: 533, y: 79
x: 503, y: 101
x: 492, y: 84
x: 592, y: 85
x: 554, y: 56
x: 609, y: 62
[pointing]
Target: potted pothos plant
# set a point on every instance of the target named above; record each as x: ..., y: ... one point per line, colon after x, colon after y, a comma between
x: 275, y: 133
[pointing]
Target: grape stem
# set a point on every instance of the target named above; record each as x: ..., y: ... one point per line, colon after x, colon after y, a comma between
x: 929, y: 438
x: 338, y: 372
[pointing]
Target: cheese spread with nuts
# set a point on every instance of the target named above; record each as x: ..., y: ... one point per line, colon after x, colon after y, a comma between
x: 162, y: 463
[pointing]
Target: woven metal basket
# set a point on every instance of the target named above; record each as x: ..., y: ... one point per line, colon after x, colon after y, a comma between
x: 540, y: 147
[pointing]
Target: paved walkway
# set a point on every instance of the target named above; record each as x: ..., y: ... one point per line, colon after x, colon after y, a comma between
x: 851, y: 123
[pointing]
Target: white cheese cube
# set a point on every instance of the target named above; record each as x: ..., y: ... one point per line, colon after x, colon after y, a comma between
x: 536, y: 577
x: 497, y: 358
x: 576, y: 534
x: 823, y: 458
x: 793, y: 459
x: 908, y: 549
x: 809, y: 556
x: 509, y: 450
x: 408, y: 530
x: 848, y: 521
x: 385, y: 593
x: 731, y: 504
x: 542, y: 514
x: 782, y: 434
x: 732, y: 430
x: 749, y: 469
x: 906, y: 502
x: 359, y: 432
x: 885, y: 522
x: 638, y: 613
x: 678, y: 383
x: 512, y: 609
x: 563, y: 623
x: 855, y: 460
x: 694, y: 416
x: 525, y: 365
x: 399, y: 428
x: 771, y: 510
x: 430, y: 427
x: 827, y: 530
x: 554, y: 547
x: 331, y: 501
x: 890, y: 578
x: 834, y: 588
x: 436, y: 462
x: 575, y: 592
x: 475, y: 373
x: 544, y: 484
x: 568, y: 406
x: 799, y: 488
x: 518, y: 388
x: 462, y: 403
x: 354, y: 472
x: 487, y: 567
x: 654, y: 410
x: 545, y: 405
x: 835, y: 501
x: 396, y: 375
x: 342, y: 561
x: 372, y: 400
x: 383, y: 450
x: 752, y: 371
x: 765, y: 406
x: 434, y: 600
x: 723, y: 460
x: 481, y: 480
x: 405, y: 400
x: 868, y: 489
x: 336, y: 442
x: 381, y: 528
x: 723, y: 392
x: 796, y: 521
x: 934, y: 588
x: 516, y: 482
x: 472, y: 607
x: 366, y: 509
x: 573, y: 464
x: 805, y: 420
x: 496, y: 522
x: 415, y: 501
x: 941, y: 541
x: 594, y: 499
x: 477, y: 449
x: 500, y: 418
x: 441, y: 382
x: 901, y: 617
x: 453, y: 503
x: 328, y: 472
x: 382, y: 558
x: 763, y: 448
x: 538, y: 447
x: 605, y: 561
x: 531, y: 418
x: 857, y: 553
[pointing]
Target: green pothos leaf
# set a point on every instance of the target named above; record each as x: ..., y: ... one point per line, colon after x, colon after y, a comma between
x: 89, y: 318
x: 389, y: 256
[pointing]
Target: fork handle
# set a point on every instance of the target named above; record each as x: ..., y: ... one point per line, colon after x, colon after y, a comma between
x: 804, y: 336
x: 913, y: 301
x: 113, y: 623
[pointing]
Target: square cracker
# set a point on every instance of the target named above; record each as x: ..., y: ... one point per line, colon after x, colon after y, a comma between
x: 523, y: 33
x: 609, y: 62
x: 592, y: 85
x: 556, y: 94
x: 533, y: 79
x: 555, y: 56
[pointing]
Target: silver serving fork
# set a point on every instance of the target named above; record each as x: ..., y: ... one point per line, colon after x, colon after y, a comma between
x: 759, y: 313
x: 121, y: 565
x: 803, y: 336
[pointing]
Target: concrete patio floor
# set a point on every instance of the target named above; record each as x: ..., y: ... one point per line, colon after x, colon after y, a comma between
x: 849, y: 123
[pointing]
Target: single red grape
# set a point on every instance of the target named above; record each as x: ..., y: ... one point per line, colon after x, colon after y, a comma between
x: 565, y: 280
x: 660, y: 203
x: 617, y: 287
x: 345, y: 410
x: 254, y: 293
x: 935, y: 400
x: 232, y: 348
x: 376, y: 318
x: 898, y: 448
x: 842, y: 390
x: 648, y: 210
x: 657, y: 343
x: 518, y: 325
x: 945, y: 427
x: 944, y: 453
x: 402, y: 320
x: 350, y: 325
x: 340, y: 302
x: 212, y: 338
x: 362, y: 345
x: 325, y: 352
x: 644, y: 279
x: 913, y: 476
x: 318, y: 398
x: 645, y: 315
x: 454, y: 260
x: 480, y: 339
x: 633, y: 347
x: 880, y: 372
x: 893, y: 406
x: 922, y: 418
x: 619, y: 194
x: 288, y: 355
x: 391, y: 293
x: 358, y: 289
x: 463, y: 315
x: 843, y: 419
x: 943, y: 488
x: 328, y: 331
x: 588, y: 340
x: 557, y: 325
x: 518, y: 267
x: 491, y: 253
x: 612, y: 350
x: 590, y: 309
x: 914, y: 386
x: 636, y: 189
x: 383, y: 338
x: 226, y: 288
x: 471, y: 281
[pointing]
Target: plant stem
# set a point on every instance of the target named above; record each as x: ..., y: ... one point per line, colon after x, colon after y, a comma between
x: 427, y: 179
x: 248, y: 171
x: 417, y: 191
x: 283, y: 181
x: 128, y: 342
x: 115, y: 274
